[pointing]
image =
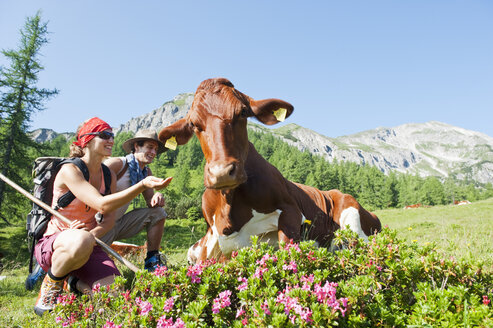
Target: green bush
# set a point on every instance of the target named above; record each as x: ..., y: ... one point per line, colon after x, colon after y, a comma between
x: 384, y: 282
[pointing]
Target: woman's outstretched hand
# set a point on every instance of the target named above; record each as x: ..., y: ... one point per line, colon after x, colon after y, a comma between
x: 156, y: 183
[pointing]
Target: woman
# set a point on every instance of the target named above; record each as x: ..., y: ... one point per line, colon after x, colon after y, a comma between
x: 71, y: 248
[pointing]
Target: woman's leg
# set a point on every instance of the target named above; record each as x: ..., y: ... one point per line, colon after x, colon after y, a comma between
x: 71, y: 250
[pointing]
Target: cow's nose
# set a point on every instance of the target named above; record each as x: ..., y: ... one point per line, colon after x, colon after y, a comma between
x: 223, y: 175
x: 219, y: 171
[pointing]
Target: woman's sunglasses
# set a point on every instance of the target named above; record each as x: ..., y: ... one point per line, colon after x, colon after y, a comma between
x: 103, y: 135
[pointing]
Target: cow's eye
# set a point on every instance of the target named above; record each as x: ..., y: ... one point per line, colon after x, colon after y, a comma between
x: 195, y: 127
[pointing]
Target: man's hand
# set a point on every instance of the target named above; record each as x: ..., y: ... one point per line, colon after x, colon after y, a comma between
x: 157, y: 200
x: 156, y: 183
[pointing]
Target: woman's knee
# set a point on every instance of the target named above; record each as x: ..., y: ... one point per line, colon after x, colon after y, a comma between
x: 76, y: 242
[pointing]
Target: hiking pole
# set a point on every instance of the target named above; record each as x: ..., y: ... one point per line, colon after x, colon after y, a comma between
x: 106, y: 248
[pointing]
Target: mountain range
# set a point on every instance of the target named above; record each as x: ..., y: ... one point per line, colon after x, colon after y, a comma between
x: 431, y: 148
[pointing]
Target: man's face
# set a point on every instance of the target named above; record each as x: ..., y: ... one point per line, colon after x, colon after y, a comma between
x: 146, y: 153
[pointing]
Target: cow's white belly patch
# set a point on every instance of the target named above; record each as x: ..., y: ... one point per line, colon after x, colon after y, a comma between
x: 350, y: 216
x: 263, y: 225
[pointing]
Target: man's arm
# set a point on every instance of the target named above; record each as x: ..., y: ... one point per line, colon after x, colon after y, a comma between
x: 153, y: 199
x: 115, y: 164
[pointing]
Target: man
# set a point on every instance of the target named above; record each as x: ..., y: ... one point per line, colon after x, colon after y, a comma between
x: 130, y: 170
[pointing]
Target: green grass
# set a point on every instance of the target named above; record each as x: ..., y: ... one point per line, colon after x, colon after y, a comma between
x: 459, y: 231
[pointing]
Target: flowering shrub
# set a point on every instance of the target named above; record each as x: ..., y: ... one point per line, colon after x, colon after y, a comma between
x: 384, y: 282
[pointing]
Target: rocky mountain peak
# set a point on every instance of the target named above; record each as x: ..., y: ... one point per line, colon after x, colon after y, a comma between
x: 430, y: 148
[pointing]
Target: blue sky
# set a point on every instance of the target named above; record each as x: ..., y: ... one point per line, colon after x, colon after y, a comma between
x: 346, y: 66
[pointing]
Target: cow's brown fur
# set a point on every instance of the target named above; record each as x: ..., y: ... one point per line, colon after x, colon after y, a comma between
x: 239, y: 179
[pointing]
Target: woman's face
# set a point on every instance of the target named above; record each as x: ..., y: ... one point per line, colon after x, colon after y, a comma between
x: 102, y: 143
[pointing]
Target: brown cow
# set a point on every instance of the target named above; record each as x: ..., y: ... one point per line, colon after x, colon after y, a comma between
x: 413, y: 206
x: 245, y: 195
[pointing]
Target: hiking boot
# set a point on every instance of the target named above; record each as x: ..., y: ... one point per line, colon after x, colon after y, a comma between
x: 70, y: 285
x: 155, y: 261
x: 35, y: 276
x: 48, y: 293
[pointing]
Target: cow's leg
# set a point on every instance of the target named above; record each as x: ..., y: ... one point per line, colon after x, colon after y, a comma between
x: 289, y: 224
x: 199, y: 251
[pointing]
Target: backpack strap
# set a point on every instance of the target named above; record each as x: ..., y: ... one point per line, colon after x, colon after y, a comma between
x: 68, y: 197
x: 107, y: 179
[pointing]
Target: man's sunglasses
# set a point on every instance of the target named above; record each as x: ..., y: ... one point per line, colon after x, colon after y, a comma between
x: 103, y: 135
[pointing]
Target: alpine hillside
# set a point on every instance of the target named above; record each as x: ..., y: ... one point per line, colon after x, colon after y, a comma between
x: 431, y: 148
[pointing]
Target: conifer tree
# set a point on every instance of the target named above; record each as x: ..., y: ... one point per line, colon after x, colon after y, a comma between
x: 19, y: 99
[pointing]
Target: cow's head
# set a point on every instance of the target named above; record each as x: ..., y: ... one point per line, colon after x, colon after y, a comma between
x: 218, y: 117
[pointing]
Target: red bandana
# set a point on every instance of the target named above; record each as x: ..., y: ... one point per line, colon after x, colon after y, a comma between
x: 95, y: 124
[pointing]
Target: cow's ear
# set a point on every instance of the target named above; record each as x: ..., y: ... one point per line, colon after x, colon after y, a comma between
x: 177, y: 133
x: 271, y: 111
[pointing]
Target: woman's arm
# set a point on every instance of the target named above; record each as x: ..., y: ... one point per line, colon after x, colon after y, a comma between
x: 109, y: 219
x: 71, y: 177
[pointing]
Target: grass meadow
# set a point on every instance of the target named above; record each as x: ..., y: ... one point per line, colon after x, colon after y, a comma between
x: 459, y: 231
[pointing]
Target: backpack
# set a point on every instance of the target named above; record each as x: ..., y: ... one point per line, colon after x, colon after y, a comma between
x: 45, y: 170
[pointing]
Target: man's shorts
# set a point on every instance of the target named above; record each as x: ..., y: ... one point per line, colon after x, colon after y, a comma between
x: 133, y: 222
x: 99, y: 265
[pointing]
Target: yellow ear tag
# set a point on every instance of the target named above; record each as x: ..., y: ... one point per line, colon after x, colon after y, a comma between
x: 280, y: 114
x: 171, y: 143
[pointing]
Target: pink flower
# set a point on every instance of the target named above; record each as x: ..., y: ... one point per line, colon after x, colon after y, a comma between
x: 179, y: 323
x: 307, y: 282
x: 66, y: 299
x: 145, y: 307
x: 291, y: 245
x: 291, y: 266
x: 310, y: 256
x: 194, y: 272
x: 221, y: 301
x: 486, y: 301
x: 327, y: 295
x: 168, y: 304
x: 243, y: 285
x: 259, y: 272
x: 96, y: 287
x: 244, y: 322
x: 291, y: 305
x: 265, y: 258
x: 88, y: 310
x: 111, y: 324
x: 126, y: 295
x: 240, y: 312
x: 160, y: 271
x: 164, y: 322
x: 265, y: 308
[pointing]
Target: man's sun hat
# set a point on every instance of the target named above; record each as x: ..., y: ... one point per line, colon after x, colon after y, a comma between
x: 143, y: 135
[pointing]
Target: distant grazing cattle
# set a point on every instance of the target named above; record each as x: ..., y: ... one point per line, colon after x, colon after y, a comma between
x: 413, y: 206
x: 245, y: 195
x: 461, y: 202
x: 128, y: 249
